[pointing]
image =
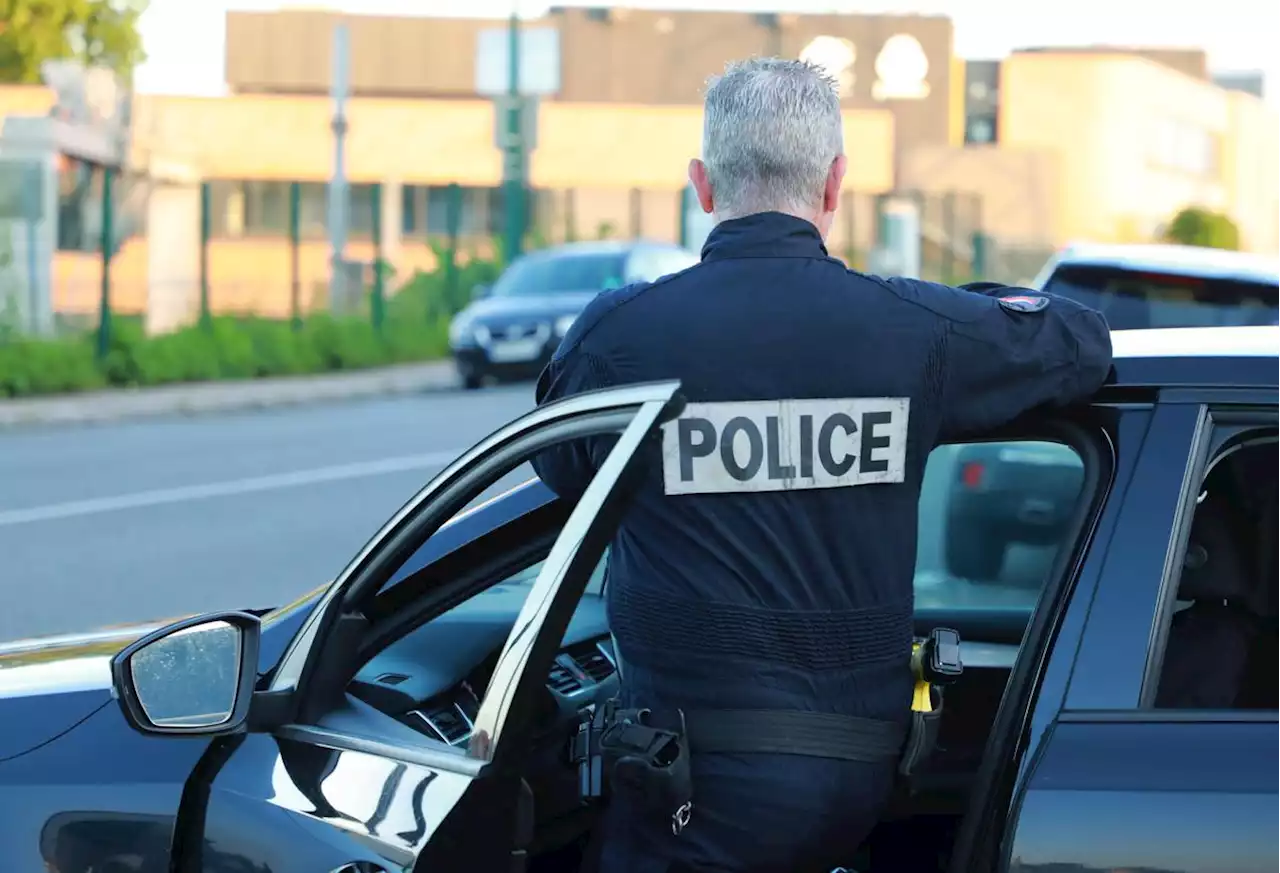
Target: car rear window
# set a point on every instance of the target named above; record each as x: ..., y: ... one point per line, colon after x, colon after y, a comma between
x: 1134, y: 300
x: 555, y: 274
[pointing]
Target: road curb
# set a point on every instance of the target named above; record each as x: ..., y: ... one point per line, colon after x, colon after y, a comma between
x: 212, y: 397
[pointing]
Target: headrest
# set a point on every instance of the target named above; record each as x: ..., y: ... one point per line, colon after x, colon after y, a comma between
x: 1214, y: 567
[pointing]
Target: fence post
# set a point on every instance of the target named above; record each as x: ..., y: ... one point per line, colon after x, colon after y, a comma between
x: 570, y: 215
x: 379, y: 301
x: 682, y: 217
x: 849, y: 203
x: 108, y: 243
x: 980, y: 255
x: 950, y: 238
x: 453, y: 229
x: 295, y: 254
x: 637, y: 213
x: 206, y: 221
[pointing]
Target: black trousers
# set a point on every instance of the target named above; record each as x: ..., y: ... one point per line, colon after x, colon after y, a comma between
x: 753, y: 814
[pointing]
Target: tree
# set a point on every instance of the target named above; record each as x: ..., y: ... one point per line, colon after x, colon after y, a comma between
x: 1195, y: 226
x: 94, y: 32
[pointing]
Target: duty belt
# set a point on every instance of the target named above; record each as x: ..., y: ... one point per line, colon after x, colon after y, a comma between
x: 636, y: 749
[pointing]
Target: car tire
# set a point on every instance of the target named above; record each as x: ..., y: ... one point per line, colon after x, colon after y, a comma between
x: 471, y: 380
x: 974, y: 550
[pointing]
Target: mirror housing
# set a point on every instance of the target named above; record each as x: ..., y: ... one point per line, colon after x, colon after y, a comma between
x: 481, y: 291
x: 194, y: 677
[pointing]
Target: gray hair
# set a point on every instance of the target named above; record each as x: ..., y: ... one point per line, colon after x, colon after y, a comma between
x: 771, y: 129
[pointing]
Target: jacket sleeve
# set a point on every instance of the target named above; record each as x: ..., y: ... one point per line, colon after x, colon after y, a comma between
x: 1011, y: 350
x: 568, y: 467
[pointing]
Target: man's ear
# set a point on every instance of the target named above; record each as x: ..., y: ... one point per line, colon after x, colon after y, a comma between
x: 702, y: 185
x: 835, y: 179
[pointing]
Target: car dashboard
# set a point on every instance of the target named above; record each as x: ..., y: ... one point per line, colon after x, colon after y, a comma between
x: 434, y: 678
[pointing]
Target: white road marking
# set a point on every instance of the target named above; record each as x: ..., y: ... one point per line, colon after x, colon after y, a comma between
x: 230, y: 488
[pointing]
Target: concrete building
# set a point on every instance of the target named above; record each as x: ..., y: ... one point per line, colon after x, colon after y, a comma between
x: 1108, y: 146
x: 1049, y: 145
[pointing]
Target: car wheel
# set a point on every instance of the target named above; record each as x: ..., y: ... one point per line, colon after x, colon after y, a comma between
x: 472, y: 381
x: 974, y: 550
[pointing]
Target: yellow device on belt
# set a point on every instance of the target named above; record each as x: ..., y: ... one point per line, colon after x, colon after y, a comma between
x: 922, y: 698
x: 935, y: 662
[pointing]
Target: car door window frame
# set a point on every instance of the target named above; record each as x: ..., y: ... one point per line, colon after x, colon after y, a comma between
x: 1111, y: 657
x: 400, y: 536
x: 1109, y: 439
x: 1223, y: 425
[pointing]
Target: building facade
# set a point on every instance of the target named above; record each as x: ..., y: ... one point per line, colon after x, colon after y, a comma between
x: 1036, y: 150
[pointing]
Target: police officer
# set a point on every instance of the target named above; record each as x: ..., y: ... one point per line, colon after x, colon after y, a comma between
x: 765, y: 570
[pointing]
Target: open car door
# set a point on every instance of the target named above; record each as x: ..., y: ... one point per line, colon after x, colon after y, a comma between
x: 321, y: 782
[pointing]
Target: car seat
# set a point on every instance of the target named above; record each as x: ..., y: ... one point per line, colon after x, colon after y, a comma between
x: 1261, y: 689
x: 1210, y: 642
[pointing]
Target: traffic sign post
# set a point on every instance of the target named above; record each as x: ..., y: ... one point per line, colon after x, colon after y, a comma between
x: 514, y: 66
x: 513, y: 164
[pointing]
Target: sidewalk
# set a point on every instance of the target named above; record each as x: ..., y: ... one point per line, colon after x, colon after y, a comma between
x: 212, y: 397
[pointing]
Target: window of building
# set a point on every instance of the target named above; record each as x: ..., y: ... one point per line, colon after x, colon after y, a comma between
x: 980, y: 129
x: 426, y: 209
x: 1184, y: 147
x: 257, y: 208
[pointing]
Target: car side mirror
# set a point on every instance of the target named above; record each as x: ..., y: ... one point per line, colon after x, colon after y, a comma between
x: 480, y: 291
x: 193, y: 677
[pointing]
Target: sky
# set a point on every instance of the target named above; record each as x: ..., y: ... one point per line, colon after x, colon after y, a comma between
x: 185, y: 39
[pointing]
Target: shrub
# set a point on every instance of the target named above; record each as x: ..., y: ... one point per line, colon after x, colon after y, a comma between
x: 1194, y: 226
x: 415, y: 328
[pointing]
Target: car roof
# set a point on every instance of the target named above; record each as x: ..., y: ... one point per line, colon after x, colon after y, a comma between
x: 1198, y: 356
x: 1196, y: 261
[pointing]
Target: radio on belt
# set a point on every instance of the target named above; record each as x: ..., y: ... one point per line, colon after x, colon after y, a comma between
x: 937, y: 660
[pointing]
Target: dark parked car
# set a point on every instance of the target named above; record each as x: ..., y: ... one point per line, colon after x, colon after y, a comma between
x: 415, y: 713
x: 1023, y: 496
x: 1005, y: 494
x: 512, y: 329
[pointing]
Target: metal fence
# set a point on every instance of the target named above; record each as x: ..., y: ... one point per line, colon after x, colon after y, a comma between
x: 261, y: 248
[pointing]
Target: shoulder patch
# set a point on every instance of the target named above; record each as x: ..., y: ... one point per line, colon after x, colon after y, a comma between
x: 1024, y: 302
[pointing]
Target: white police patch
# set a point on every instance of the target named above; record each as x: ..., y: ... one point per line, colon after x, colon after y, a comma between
x: 1024, y: 302
x: 785, y: 445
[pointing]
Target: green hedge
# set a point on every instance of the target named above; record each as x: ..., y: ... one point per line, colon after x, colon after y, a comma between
x: 415, y: 328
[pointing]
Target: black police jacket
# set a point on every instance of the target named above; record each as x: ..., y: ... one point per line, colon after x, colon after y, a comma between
x: 768, y: 560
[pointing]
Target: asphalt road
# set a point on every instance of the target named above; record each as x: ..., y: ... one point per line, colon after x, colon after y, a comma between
x: 144, y: 520
x: 134, y: 521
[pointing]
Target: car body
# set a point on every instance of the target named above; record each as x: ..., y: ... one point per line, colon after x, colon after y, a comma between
x: 512, y: 329
x: 1139, y: 287
x: 1001, y: 498
x: 415, y: 713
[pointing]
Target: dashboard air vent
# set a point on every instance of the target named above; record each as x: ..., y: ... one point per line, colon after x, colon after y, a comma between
x: 447, y: 721
x: 562, y: 681
x: 593, y: 662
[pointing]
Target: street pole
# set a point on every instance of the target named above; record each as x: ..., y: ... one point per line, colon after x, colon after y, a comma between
x: 514, y: 151
x: 108, y: 243
x: 338, y: 194
x: 206, y: 223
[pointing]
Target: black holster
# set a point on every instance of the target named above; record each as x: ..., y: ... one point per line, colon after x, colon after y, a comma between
x: 623, y: 749
x: 922, y: 738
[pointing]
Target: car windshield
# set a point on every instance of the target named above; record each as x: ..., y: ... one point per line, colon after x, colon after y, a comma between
x: 1134, y: 300
x: 557, y: 273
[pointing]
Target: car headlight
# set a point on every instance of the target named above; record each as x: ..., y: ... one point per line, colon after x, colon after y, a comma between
x: 460, y: 330
x: 563, y: 323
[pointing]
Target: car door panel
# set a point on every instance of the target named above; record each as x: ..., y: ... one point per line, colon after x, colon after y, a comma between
x: 340, y: 806
x: 1182, y: 797
x: 1113, y: 785
x: 370, y: 790
x: 124, y: 791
